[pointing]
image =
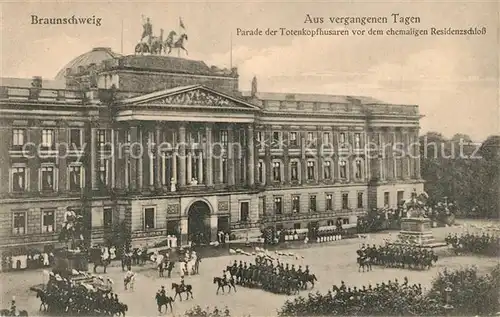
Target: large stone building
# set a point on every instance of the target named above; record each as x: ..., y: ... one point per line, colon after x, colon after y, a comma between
x: 213, y: 158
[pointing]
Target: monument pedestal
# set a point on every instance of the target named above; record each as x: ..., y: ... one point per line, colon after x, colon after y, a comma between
x: 417, y: 231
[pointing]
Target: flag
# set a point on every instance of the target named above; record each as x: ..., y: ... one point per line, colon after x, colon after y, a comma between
x: 181, y: 24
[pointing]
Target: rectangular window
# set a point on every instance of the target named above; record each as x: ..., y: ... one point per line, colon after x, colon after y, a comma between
x: 329, y: 202
x: 103, y: 172
x: 327, y: 170
x: 343, y: 169
x: 360, y: 200
x: 276, y: 138
x: 312, y: 203
x: 244, y: 211
x: 357, y: 140
x: 127, y: 137
x: 277, y: 171
x: 278, y: 206
x: 19, y: 176
x: 75, y: 177
x: 47, y: 177
x: 345, y: 201
x: 19, y: 222
x: 293, y: 139
x: 327, y: 138
x: 261, y: 172
x: 401, y: 197
x: 310, y: 170
x: 294, y: 171
x: 224, y: 171
x: 107, y: 218
x: 149, y: 218
x: 18, y: 138
x: 310, y: 139
x: 48, y: 221
x: 75, y: 138
x: 342, y: 139
x: 260, y: 142
x: 48, y: 138
x: 224, y: 137
x: 279, y: 227
x: 295, y: 204
x: 386, y: 199
x: 359, y: 167
x: 296, y: 226
x: 330, y: 223
x: 101, y: 138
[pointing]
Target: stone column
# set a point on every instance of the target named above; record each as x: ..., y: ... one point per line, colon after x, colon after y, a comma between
x: 140, y: 165
x: 267, y: 160
x: 189, y: 168
x: 62, y: 138
x: 133, y: 158
x: 214, y: 221
x: 184, y: 228
x: 113, y: 159
x: 159, y: 159
x: 182, y: 156
x: 174, y: 168
x: 208, y: 154
x: 251, y: 156
x: 93, y: 157
x: 230, y: 156
x: 200, y: 168
x: 303, y: 161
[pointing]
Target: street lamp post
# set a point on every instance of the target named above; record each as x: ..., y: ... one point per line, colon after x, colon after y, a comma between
x: 448, y: 307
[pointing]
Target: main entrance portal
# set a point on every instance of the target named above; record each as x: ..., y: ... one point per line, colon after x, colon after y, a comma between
x: 199, y: 223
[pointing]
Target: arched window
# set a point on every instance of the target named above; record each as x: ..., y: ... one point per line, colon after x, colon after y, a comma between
x: 343, y: 169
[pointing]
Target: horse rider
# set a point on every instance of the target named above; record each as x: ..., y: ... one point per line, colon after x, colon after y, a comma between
x: 182, y: 284
x: 127, y: 279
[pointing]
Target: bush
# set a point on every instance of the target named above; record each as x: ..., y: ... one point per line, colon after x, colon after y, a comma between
x: 197, y: 311
x: 469, y: 294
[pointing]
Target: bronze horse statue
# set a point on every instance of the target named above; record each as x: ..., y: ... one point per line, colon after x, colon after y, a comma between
x: 169, y: 42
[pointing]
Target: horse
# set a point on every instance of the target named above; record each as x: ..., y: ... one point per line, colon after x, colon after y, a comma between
x: 142, y: 48
x: 177, y: 44
x: 121, y: 309
x: 364, y: 262
x: 179, y: 289
x: 101, y: 262
x: 4, y: 312
x: 162, y: 300
x: 43, y: 299
x: 166, y: 266
x: 309, y: 278
x: 221, y: 283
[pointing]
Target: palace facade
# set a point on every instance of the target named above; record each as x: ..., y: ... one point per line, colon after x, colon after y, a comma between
x: 169, y: 146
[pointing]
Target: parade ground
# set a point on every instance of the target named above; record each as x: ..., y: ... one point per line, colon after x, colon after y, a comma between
x: 331, y: 262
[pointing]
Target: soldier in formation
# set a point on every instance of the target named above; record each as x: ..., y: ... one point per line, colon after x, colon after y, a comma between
x: 485, y: 243
x: 63, y: 296
x: 400, y: 256
x: 273, y: 277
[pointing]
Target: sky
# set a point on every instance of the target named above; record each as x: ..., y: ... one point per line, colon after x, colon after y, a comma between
x: 454, y: 79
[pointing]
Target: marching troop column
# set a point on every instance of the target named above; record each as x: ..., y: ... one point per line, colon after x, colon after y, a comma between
x: 182, y: 156
x: 208, y: 154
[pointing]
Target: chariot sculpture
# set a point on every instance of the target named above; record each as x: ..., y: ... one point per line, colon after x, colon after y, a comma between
x: 150, y: 44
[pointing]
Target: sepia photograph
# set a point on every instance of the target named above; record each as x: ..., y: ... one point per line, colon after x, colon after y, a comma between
x: 235, y: 159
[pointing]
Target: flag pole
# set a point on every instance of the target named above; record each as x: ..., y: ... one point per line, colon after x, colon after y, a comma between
x: 179, y: 30
x: 231, y: 51
x: 121, y: 42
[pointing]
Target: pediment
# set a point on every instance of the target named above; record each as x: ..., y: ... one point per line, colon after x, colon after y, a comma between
x: 192, y: 96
